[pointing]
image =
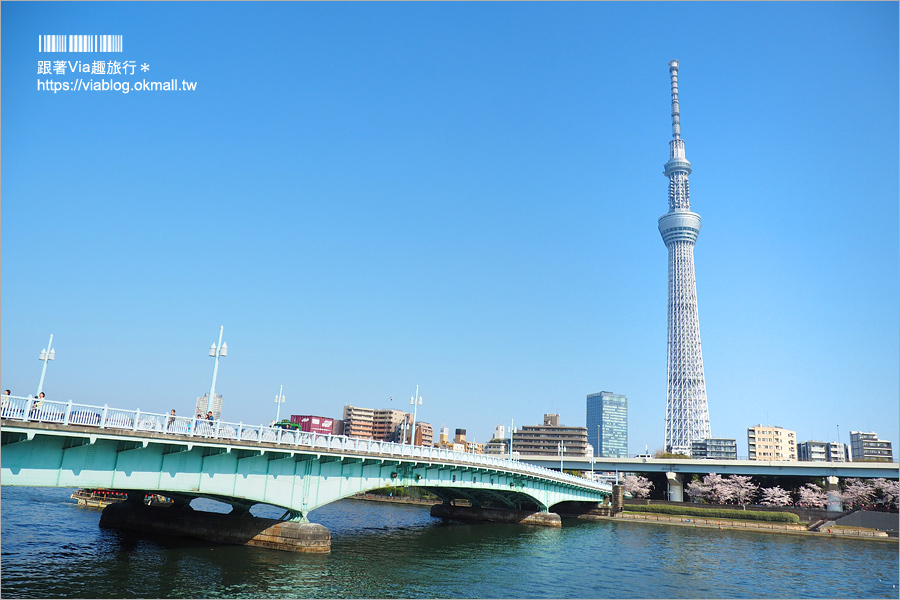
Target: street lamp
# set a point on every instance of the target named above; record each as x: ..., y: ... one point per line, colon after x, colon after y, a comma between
x: 561, y: 450
x: 47, y: 353
x: 416, y: 402
x: 279, y: 400
x: 592, y: 464
x: 216, y: 351
x: 598, y: 439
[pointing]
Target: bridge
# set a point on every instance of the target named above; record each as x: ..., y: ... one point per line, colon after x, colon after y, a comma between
x: 888, y: 470
x: 679, y: 470
x: 54, y: 444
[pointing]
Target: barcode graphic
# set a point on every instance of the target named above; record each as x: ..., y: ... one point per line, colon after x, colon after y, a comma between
x: 80, y: 43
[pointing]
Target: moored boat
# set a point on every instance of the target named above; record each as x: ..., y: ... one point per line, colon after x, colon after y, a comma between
x: 102, y: 497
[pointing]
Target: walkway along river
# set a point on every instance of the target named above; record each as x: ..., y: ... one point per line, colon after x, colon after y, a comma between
x: 53, y: 548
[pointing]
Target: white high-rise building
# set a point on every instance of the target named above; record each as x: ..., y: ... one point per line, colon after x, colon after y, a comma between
x: 203, y: 405
x: 499, y: 432
x: 687, y: 413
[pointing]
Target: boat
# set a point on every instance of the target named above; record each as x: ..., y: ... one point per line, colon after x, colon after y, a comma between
x: 102, y: 497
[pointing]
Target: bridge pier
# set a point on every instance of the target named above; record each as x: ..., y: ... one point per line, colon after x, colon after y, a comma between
x: 833, y: 495
x: 495, y: 515
x: 676, y: 486
x: 216, y: 527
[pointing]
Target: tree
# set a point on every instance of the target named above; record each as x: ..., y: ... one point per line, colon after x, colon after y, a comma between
x: 742, y: 489
x: 718, y: 490
x: 695, y: 490
x: 775, y: 496
x: 637, y: 486
x: 812, y: 495
x: 857, y: 493
x: 888, y: 490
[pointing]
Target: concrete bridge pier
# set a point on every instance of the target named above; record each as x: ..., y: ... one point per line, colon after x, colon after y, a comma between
x: 676, y: 486
x: 496, y: 515
x: 833, y: 495
x: 236, y: 528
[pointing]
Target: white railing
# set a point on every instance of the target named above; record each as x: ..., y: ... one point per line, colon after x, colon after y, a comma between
x: 104, y: 417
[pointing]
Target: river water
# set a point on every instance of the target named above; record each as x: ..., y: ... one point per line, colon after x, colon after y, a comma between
x: 52, y: 548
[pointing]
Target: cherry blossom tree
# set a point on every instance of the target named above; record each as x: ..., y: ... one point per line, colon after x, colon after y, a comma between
x: 857, y: 493
x: 696, y: 490
x: 812, y: 495
x: 718, y: 489
x: 889, y: 491
x: 775, y: 496
x: 637, y: 486
x: 742, y: 489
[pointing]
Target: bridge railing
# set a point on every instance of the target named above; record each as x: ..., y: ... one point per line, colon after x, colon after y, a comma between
x: 105, y: 417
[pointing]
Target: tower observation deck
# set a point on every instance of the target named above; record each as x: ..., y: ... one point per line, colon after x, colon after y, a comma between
x: 687, y: 413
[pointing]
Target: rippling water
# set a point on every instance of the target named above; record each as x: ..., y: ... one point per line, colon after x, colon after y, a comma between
x: 53, y: 548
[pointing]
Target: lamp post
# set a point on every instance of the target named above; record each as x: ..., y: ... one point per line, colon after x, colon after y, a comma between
x: 416, y: 402
x: 47, y: 354
x: 598, y: 441
x: 216, y: 350
x: 561, y: 450
x: 512, y: 429
x: 279, y: 400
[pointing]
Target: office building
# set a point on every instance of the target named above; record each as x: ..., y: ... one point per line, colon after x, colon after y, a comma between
x: 715, y: 448
x: 687, y: 413
x: 607, y: 424
x: 545, y: 440
x: 771, y: 443
x: 867, y: 446
x: 499, y: 432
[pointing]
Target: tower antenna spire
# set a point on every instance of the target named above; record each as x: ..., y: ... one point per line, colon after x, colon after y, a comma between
x: 676, y: 114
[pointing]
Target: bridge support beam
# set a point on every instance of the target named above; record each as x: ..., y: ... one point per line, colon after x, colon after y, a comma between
x: 676, y: 486
x: 217, y: 527
x: 495, y: 515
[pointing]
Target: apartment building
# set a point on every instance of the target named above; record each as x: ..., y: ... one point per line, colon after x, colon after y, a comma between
x: 767, y: 442
x: 715, y: 448
x: 867, y: 446
x: 359, y: 422
x: 545, y: 440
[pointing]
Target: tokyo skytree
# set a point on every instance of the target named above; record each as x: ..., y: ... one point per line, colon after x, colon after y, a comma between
x: 687, y: 414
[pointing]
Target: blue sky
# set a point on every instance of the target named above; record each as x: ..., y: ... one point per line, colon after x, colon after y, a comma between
x: 460, y: 196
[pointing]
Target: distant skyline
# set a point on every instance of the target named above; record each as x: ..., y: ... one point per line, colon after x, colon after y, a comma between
x: 459, y: 196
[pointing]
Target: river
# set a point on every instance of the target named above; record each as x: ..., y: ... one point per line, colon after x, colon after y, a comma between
x: 52, y: 548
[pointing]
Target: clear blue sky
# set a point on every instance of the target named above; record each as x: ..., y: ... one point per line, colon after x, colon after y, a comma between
x: 459, y: 196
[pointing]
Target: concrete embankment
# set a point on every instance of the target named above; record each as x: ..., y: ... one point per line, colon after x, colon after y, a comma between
x: 217, y: 527
x: 790, y: 528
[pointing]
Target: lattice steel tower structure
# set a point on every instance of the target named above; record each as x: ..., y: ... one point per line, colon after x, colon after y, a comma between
x: 687, y: 413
